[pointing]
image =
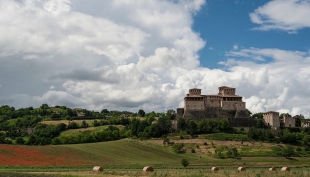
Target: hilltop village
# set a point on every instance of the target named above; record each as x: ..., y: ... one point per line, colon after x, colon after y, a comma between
x: 226, y: 104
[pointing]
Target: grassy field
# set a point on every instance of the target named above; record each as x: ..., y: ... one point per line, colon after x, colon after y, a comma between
x: 188, y: 172
x: 91, y: 129
x: 127, y: 157
x: 56, y: 122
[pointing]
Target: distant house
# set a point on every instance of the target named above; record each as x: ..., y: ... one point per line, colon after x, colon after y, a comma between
x: 81, y: 114
x: 28, y: 130
x: 306, y: 124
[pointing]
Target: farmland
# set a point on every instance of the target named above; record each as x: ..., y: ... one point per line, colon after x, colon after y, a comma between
x: 128, y: 156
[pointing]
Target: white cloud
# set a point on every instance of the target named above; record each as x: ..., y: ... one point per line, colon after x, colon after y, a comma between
x: 287, y: 15
x: 147, y: 57
x: 235, y: 47
x: 98, y: 60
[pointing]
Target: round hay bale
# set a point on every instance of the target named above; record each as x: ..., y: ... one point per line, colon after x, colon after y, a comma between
x: 148, y: 169
x: 97, y: 169
x: 215, y: 169
x: 285, y: 169
x: 272, y: 169
x: 241, y: 169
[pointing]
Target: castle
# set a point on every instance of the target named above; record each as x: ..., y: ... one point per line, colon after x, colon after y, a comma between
x: 224, y: 104
x: 272, y: 119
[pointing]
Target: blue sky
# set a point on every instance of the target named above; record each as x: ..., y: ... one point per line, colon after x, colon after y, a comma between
x: 138, y: 54
x: 224, y: 23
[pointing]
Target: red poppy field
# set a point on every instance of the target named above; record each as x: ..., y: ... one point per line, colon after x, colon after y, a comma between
x: 124, y: 153
x: 11, y: 155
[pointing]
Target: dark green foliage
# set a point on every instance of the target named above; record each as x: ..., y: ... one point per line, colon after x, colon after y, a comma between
x: 96, y: 123
x: 260, y: 123
x: 171, y: 114
x: 286, y: 152
x: 84, y: 124
x: 2, y: 138
x: 229, y: 154
x: 20, y: 140
x: 298, y: 122
x: 178, y: 148
x: 287, y: 137
x: 73, y: 125
x: 258, y: 115
x: 184, y: 163
x: 261, y: 134
x: 182, y: 124
x: 105, y: 111
x: 141, y: 113
x: 164, y: 124
x: 192, y: 128
x: 213, y: 126
x: 166, y: 141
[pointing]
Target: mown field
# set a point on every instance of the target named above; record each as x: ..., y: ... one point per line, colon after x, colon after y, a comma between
x: 127, y: 157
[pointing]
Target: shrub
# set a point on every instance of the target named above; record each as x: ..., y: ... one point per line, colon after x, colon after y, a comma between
x: 177, y: 148
x: 193, y: 151
x: 184, y: 162
x: 205, y: 143
x: 20, y: 140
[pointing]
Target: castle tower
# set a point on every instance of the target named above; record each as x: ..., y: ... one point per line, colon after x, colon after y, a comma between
x: 194, y: 100
x: 272, y: 119
x: 226, y: 91
x: 194, y: 92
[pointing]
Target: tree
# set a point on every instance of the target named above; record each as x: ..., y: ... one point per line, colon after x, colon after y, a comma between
x: 234, y: 152
x: 171, y: 114
x: 298, y: 122
x: 182, y: 124
x: 257, y: 115
x: 192, y: 128
x: 84, y: 124
x: 177, y: 148
x: 141, y: 113
x: 44, y: 106
x: 104, y: 111
x: 73, y: 125
x: 286, y: 152
x: 20, y: 140
x: 184, y: 162
x: 282, y: 114
x: 260, y: 123
x: 164, y: 124
x: 249, y: 112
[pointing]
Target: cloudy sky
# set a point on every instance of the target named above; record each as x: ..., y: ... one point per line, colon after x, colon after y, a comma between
x: 134, y: 54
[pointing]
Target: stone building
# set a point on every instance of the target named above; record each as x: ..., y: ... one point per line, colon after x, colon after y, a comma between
x: 306, y: 124
x: 225, y: 104
x: 272, y: 119
x: 288, y: 121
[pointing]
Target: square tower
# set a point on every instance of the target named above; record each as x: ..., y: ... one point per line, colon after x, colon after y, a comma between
x: 272, y: 119
x: 225, y: 91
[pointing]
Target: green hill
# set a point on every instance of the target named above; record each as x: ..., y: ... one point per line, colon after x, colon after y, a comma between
x: 126, y: 153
